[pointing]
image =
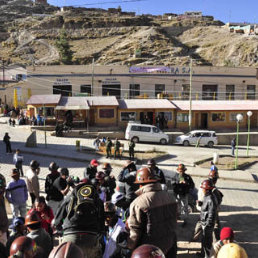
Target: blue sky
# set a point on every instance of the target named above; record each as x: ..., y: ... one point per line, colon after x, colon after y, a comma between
x: 224, y: 10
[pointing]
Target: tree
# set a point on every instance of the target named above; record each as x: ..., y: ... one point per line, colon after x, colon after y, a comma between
x: 64, y: 48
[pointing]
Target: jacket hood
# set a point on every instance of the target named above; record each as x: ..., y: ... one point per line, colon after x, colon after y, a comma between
x: 153, y: 187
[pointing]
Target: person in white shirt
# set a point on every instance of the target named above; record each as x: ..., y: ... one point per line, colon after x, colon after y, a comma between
x: 18, y: 160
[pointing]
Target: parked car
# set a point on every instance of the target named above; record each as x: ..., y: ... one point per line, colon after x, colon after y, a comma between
x: 205, y: 137
x: 145, y: 133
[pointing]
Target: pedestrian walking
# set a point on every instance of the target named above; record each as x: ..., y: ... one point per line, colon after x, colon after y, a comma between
x: 96, y: 143
x: 117, y: 146
x: 131, y: 149
x: 108, y: 147
x: 33, y: 181
x: 152, y: 215
x: 233, y: 146
x: 17, y: 194
x: 157, y: 171
x: 7, y: 142
x: 18, y: 160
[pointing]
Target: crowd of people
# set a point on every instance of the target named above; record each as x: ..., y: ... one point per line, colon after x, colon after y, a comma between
x: 134, y: 215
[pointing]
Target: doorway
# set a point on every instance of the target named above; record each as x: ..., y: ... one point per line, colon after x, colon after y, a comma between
x: 204, y: 120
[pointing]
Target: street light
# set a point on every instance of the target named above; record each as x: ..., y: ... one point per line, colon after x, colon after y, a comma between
x: 249, y: 114
x: 239, y: 118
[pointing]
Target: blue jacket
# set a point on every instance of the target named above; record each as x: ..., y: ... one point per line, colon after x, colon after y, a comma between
x: 16, y: 192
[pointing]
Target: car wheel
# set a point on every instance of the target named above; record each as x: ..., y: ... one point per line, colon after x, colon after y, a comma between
x: 163, y: 141
x: 186, y: 143
x: 210, y: 144
x: 135, y: 139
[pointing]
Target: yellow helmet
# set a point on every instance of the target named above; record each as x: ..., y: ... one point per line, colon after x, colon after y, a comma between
x: 232, y: 250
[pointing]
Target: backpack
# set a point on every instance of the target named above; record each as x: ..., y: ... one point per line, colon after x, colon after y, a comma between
x: 218, y: 195
x: 83, y: 206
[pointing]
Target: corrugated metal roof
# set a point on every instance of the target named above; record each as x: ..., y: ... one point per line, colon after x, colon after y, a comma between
x: 73, y: 103
x: 145, y: 104
x: 102, y: 101
x: 213, y: 105
x: 44, y: 99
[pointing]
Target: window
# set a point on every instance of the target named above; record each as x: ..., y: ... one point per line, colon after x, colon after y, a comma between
x: 250, y: 92
x: 106, y: 113
x: 136, y: 128
x: 167, y: 115
x: 155, y: 130
x: 230, y: 92
x: 185, y: 91
x: 232, y: 116
x: 127, y: 116
x: 218, y: 117
x: 206, y: 135
x: 49, y: 111
x: 182, y: 117
x: 86, y: 89
x: 159, y: 88
x: 145, y: 129
x: 64, y: 90
x: 134, y: 90
x: 209, y: 92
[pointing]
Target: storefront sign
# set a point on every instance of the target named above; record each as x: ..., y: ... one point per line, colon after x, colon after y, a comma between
x: 62, y: 81
x: 110, y: 81
x: 164, y: 69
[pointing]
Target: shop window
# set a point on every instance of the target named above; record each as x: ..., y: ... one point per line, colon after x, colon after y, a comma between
x: 232, y: 116
x: 182, y: 117
x: 159, y: 88
x: 85, y: 88
x: 218, y: 117
x: 134, y: 90
x: 230, y: 92
x: 49, y: 111
x: 167, y: 115
x: 185, y: 91
x: 209, y: 92
x: 127, y: 116
x: 250, y: 92
x: 106, y: 113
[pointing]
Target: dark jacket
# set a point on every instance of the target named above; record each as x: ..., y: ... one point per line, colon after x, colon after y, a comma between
x: 159, y: 173
x: 51, y: 191
x: 152, y: 218
x: 3, y: 216
x: 90, y: 172
x: 110, y: 185
x: 183, y: 188
x: 127, y: 177
x: 208, y: 211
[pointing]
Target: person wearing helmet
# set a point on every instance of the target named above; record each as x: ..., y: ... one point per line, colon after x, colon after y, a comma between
x: 91, y: 170
x: 3, y: 214
x: 226, y: 237
x: 37, y: 233
x: 108, y: 147
x: 131, y: 145
x: 152, y: 203
x: 23, y: 247
x: 127, y: 176
x: 156, y: 171
x: 18, y: 229
x: 117, y: 146
x: 147, y: 251
x: 33, y: 181
x: 81, y: 219
x: 17, y: 194
x: 207, y: 217
x: 115, y: 226
x: 53, y: 195
x: 232, y: 250
x: 66, y: 250
x: 182, y: 186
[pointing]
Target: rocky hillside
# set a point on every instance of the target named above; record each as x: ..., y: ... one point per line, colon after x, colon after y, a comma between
x: 28, y: 33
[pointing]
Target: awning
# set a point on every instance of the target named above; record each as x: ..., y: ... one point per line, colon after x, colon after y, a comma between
x: 145, y: 104
x: 44, y: 99
x: 73, y: 103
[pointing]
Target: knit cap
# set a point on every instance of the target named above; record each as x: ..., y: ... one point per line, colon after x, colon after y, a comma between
x: 226, y: 232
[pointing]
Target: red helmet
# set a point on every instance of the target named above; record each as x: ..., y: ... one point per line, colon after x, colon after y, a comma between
x: 100, y: 175
x: 66, y: 250
x: 207, y: 184
x: 23, y: 247
x: 147, y: 251
x: 144, y: 175
x: 32, y: 218
x: 181, y: 168
x: 94, y: 163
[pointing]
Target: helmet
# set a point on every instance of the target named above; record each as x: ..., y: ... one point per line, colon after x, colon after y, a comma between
x: 66, y: 250
x: 106, y: 165
x: 147, y: 251
x: 232, y: 250
x: 17, y: 222
x: 109, y: 207
x: 214, y: 172
x: 32, y: 218
x: 100, y: 175
x: 207, y: 184
x: 181, y: 168
x: 128, y: 163
x: 21, y: 245
x: 34, y: 164
x: 2, y: 181
x: 94, y: 163
x: 53, y: 166
x: 151, y: 162
x: 144, y: 175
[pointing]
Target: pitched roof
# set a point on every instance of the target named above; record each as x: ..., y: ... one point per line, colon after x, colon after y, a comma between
x: 44, y: 99
x: 102, y: 101
x: 213, y: 105
x: 145, y: 104
x: 73, y: 103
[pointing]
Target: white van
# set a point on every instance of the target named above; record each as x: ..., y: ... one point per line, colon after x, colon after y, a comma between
x: 145, y: 133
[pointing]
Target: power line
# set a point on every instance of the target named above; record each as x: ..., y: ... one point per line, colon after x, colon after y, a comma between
x: 108, y: 2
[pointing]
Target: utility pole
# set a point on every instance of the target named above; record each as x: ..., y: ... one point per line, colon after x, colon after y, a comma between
x: 190, y: 95
x: 92, y: 76
x: 3, y: 70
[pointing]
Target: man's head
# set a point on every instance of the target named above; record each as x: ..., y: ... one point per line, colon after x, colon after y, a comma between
x: 145, y: 176
x: 40, y: 204
x: 110, y: 214
x: 107, y: 168
x: 181, y: 168
x: 94, y: 163
x: 130, y: 165
x: 33, y: 221
x: 18, y: 225
x: 100, y: 177
x: 34, y: 165
x: 147, y: 251
x: 214, y: 175
x: 53, y: 167
x: 232, y: 250
x: 64, y: 172
x: 15, y: 174
x: 226, y: 235
x: 17, y: 151
x: 151, y: 163
x: 207, y: 186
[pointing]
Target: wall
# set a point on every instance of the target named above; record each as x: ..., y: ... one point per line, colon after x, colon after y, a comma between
x: 99, y: 121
